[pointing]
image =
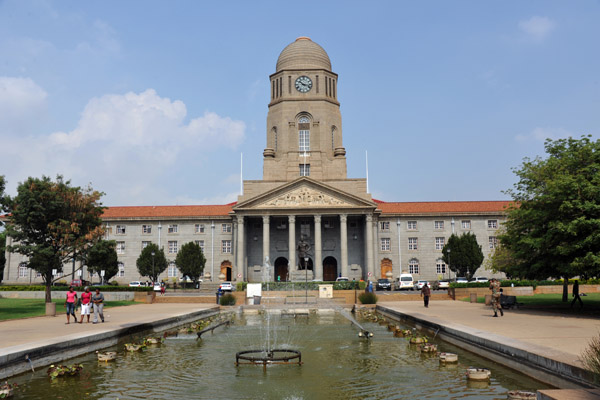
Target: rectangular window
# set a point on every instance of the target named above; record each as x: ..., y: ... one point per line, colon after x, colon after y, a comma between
x: 304, y: 140
x: 305, y: 229
x: 493, y: 242
x: 328, y: 223
x: 492, y: 224
x: 226, y: 246
x: 440, y: 267
x: 173, y: 228
x: 23, y: 271
x: 465, y: 224
x: 121, y: 272
x: 384, y: 225
x: 172, y: 246
x: 438, y: 224
x: 439, y: 243
x: 304, y: 169
x: 120, y: 229
x: 412, y: 243
x: 226, y: 228
x: 172, y: 270
x: 411, y: 225
x: 413, y: 267
x: 385, y: 244
x: 201, y: 244
x: 120, y: 247
x: 145, y: 244
x: 199, y: 228
x: 146, y: 229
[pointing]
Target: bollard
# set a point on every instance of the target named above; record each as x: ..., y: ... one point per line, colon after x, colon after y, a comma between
x: 473, y: 297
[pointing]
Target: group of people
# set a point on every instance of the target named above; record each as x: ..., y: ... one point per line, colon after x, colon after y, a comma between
x: 88, y: 300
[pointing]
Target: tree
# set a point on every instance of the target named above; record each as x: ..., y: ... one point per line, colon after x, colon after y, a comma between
x: 2, y: 255
x: 463, y: 254
x: 503, y: 260
x: 102, y: 256
x: 149, y: 265
x: 52, y: 222
x: 553, y: 229
x: 190, y: 260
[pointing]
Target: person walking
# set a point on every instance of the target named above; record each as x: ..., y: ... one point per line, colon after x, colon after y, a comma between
x: 576, y: 295
x: 495, y: 288
x: 70, y: 304
x: 86, y: 304
x: 98, y: 301
x: 426, y: 293
x: 163, y: 288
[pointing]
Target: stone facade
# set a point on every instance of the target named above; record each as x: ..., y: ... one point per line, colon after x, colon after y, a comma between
x: 305, y: 219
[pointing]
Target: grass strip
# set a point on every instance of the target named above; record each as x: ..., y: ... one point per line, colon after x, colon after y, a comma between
x: 26, y: 308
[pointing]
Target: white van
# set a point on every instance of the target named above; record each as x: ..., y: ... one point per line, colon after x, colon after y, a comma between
x: 405, y: 282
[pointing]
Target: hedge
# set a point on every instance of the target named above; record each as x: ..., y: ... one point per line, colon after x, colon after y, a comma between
x: 41, y: 288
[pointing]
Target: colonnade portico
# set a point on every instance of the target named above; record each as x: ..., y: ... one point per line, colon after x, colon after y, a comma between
x: 316, y: 252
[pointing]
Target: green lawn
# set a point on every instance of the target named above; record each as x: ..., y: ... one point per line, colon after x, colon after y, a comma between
x: 24, y: 308
x: 553, y: 302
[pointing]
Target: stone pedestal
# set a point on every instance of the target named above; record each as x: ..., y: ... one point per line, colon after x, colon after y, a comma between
x: 51, y: 309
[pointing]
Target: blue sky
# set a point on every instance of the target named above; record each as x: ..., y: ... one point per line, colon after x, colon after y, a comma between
x: 152, y: 102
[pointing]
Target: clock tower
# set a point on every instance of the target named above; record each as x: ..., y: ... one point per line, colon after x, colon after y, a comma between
x: 304, y: 123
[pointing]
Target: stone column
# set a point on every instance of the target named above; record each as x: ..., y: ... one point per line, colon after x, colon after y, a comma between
x: 318, y: 264
x: 369, y: 240
x: 344, y: 243
x: 266, y: 238
x: 240, y: 249
x: 292, y: 243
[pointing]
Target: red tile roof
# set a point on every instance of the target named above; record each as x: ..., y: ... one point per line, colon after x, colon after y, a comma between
x: 167, y: 211
x: 436, y: 207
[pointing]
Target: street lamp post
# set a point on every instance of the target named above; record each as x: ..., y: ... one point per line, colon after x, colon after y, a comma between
x: 306, y: 280
x: 153, y: 276
x: 448, y: 264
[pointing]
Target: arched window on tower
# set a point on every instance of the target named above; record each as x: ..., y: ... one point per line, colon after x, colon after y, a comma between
x: 303, y: 134
x: 333, y: 129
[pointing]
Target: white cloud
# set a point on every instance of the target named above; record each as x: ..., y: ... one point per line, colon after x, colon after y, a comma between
x: 20, y: 100
x: 537, y: 28
x: 541, y: 134
x: 130, y: 146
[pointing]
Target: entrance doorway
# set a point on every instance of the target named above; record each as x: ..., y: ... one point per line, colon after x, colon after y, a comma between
x: 386, y: 266
x: 281, y: 269
x: 329, y: 269
x: 226, y: 270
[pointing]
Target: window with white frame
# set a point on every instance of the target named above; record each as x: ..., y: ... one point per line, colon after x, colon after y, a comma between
x: 411, y: 225
x: 120, y: 247
x: 201, y: 244
x: 146, y: 229
x: 493, y: 242
x: 304, y: 134
x: 384, y: 225
x: 305, y: 229
x: 173, y: 228
x: 120, y: 229
x: 172, y: 245
x: 412, y: 243
x: 439, y: 243
x: 121, y: 272
x: 172, y: 273
x: 438, y: 224
x: 492, y: 224
x: 465, y: 224
x: 226, y: 228
x: 23, y: 270
x: 440, y: 266
x: 226, y: 246
x: 385, y: 244
x: 145, y: 243
x: 413, y: 266
x: 304, y: 169
x: 199, y: 228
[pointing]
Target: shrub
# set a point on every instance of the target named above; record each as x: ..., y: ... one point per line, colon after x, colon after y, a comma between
x: 227, y: 300
x: 241, y: 286
x: 367, y: 298
x: 591, y: 355
x: 362, y: 285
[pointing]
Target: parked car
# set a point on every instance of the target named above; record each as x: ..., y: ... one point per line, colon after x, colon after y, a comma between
x: 419, y: 285
x: 342, y: 279
x: 135, y: 284
x: 384, y: 284
x: 226, y: 287
x: 443, y: 285
x: 405, y: 282
x: 480, y: 279
x: 79, y: 282
x: 461, y: 280
x: 156, y: 286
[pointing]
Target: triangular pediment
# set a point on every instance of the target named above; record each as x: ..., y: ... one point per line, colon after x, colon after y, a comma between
x: 305, y: 193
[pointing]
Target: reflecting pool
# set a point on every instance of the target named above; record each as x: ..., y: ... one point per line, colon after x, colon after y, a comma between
x: 337, y: 365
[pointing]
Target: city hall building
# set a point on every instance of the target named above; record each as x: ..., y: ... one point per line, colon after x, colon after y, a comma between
x: 305, y: 219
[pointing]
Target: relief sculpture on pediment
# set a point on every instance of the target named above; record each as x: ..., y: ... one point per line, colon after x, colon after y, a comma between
x: 304, y: 197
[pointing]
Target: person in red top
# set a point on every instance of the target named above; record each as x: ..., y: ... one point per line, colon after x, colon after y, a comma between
x: 86, y: 303
x: 426, y: 293
x: 70, y: 304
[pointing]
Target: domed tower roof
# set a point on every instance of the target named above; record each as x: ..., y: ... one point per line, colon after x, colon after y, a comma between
x: 303, y: 54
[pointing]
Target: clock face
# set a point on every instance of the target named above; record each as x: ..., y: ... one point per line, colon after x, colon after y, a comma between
x: 303, y: 84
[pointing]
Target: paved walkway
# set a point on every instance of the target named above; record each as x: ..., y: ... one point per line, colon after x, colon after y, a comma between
x: 48, y: 329
x: 559, y: 337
